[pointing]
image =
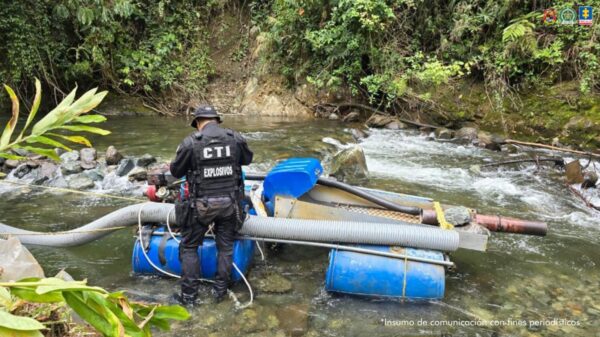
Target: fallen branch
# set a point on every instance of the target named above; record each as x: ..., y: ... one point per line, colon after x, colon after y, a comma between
x: 550, y: 147
x: 366, y: 107
x: 557, y: 161
x: 582, y: 197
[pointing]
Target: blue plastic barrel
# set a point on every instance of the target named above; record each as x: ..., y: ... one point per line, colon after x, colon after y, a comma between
x: 243, y: 253
x: 292, y: 178
x: 380, y: 276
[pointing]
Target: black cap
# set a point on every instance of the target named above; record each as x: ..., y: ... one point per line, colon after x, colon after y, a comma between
x: 205, y: 111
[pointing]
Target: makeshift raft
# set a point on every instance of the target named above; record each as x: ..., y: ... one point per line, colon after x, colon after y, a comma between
x: 382, y: 244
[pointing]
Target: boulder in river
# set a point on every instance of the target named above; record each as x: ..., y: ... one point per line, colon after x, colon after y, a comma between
x: 333, y: 116
x: 88, y: 157
x: 137, y: 174
x: 80, y: 182
x: 444, y: 133
x: 126, y: 165
x: 467, y: 134
x: 113, y: 156
x: 11, y: 163
x: 69, y: 156
x: 21, y: 171
x: 70, y: 167
x: 350, y: 164
x: 395, y: 125
x: 353, y: 116
x: 379, y: 121
x: 358, y: 134
x: 573, y: 172
x: 146, y: 160
x: 95, y: 174
x: 458, y: 216
x: 490, y: 141
x: 590, y: 178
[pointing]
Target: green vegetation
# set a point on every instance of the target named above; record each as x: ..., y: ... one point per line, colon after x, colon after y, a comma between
x: 149, y: 48
x: 389, y: 49
x: 68, y: 115
x: 111, y: 314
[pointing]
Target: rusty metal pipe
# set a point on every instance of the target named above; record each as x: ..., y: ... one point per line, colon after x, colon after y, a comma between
x: 496, y: 223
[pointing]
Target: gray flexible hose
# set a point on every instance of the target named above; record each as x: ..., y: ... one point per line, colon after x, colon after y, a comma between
x: 276, y: 228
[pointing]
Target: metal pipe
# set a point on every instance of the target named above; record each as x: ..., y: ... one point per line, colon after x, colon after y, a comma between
x: 497, y: 223
x: 446, y: 263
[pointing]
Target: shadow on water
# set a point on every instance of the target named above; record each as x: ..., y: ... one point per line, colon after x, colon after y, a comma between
x: 519, y: 279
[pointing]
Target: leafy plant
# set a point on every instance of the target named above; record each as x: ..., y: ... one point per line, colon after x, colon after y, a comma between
x: 111, y: 314
x: 68, y: 115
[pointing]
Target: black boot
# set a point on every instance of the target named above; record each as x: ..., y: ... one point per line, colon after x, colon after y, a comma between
x: 185, y: 300
x: 190, y: 274
x: 219, y: 293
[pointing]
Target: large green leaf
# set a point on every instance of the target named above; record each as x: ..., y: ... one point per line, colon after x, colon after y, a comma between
x: 41, y: 151
x: 11, y: 321
x: 51, y: 119
x: 75, y: 139
x: 29, y: 294
x: 12, y: 123
x: 5, y: 332
x: 76, y: 301
x: 47, y: 141
x: 34, y: 107
x: 90, y: 119
x: 10, y: 156
x: 86, y: 128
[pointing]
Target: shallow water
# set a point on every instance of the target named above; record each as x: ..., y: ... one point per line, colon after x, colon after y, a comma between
x: 519, y: 278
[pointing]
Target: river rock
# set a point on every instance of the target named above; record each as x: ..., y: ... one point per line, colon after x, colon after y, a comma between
x: 21, y: 171
x: 395, y: 125
x: 467, y: 134
x: 80, y: 182
x: 358, y: 134
x: 2, y: 160
x: 573, y: 172
x: 137, y: 174
x: 70, y: 167
x: 349, y: 164
x: 589, y: 179
x: 274, y: 283
x: 490, y: 141
x: 293, y: 319
x: 11, y: 163
x: 458, y: 216
x: 96, y: 174
x: 69, y: 156
x: 59, y: 151
x: 379, y: 121
x: 333, y: 116
x: 353, y: 116
x: 113, y: 156
x: 510, y: 148
x: 443, y: 133
x: 88, y: 157
x: 146, y: 160
x: 126, y: 165
x: 48, y: 169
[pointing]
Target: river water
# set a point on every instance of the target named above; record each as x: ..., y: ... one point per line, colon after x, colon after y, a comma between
x: 520, y: 279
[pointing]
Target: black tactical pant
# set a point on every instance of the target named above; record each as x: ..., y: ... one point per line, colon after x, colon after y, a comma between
x: 223, y: 213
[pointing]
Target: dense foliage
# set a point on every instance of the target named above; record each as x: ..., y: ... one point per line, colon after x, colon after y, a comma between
x: 381, y: 49
x: 135, y: 46
x: 384, y: 49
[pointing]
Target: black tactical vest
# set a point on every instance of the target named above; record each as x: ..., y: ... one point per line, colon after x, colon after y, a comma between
x: 216, y: 171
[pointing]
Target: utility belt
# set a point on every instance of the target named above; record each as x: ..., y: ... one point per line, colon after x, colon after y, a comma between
x: 202, y: 210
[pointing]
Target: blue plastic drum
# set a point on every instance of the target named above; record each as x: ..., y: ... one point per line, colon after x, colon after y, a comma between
x: 380, y: 276
x: 243, y: 253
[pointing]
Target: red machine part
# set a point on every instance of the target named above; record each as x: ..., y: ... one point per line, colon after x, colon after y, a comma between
x: 151, y: 193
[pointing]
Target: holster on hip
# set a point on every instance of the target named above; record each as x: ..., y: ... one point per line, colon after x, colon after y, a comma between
x: 184, y: 214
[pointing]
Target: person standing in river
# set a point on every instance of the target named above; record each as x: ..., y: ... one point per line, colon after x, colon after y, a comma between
x: 211, y: 158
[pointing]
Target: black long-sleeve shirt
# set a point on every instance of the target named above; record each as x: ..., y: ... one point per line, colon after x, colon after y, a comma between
x: 183, y: 159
